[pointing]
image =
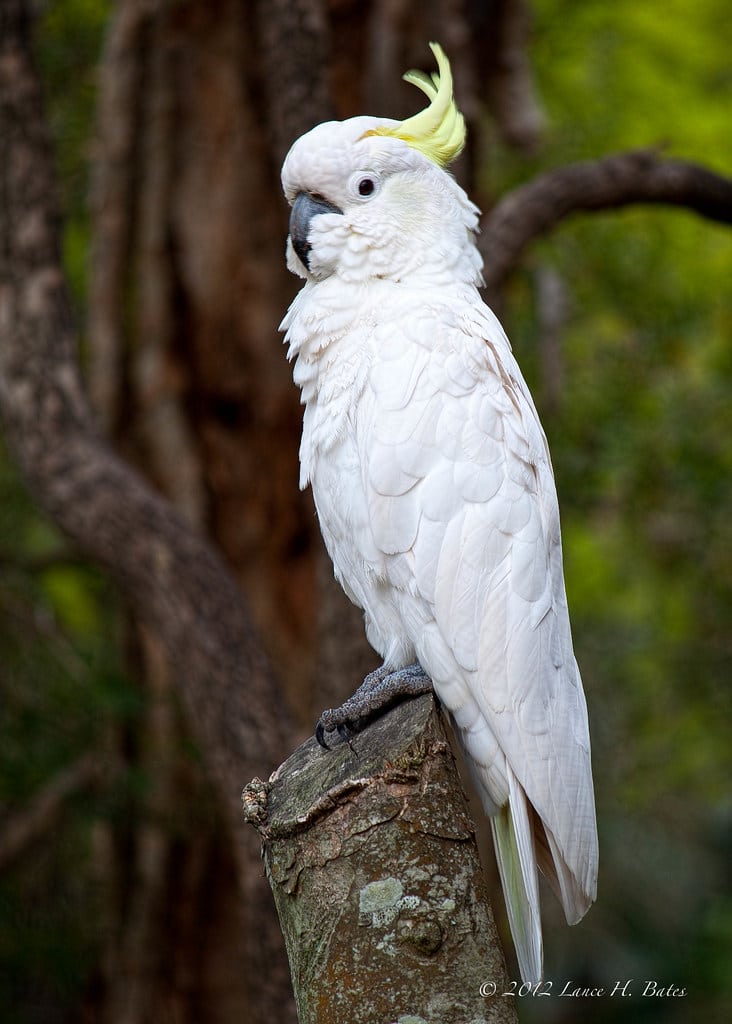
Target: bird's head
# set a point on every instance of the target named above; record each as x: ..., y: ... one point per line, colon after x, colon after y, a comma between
x: 371, y: 198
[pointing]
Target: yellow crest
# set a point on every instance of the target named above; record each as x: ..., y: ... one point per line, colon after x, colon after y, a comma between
x: 438, y: 131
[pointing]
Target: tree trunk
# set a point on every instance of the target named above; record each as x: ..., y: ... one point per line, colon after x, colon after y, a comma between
x: 371, y: 855
x: 198, y: 102
x: 178, y: 585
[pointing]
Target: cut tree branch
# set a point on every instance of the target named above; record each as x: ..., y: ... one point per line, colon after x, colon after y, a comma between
x: 371, y: 855
x: 640, y: 176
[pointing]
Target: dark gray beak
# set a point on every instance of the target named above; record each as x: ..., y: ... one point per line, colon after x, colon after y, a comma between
x: 304, y: 208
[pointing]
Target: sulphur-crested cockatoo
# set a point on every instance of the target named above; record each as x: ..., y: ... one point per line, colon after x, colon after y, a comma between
x: 434, y: 487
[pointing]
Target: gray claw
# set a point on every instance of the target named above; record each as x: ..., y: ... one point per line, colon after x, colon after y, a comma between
x: 320, y: 731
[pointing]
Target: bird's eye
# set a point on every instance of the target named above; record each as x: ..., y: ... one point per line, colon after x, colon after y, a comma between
x: 364, y: 183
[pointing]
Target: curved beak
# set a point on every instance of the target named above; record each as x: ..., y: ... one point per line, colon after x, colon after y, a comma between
x: 304, y: 208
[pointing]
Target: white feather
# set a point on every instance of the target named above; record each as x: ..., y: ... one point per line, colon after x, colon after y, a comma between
x: 436, y: 498
x: 513, y: 838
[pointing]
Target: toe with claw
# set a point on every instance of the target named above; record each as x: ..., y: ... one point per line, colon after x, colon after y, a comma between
x: 379, y: 690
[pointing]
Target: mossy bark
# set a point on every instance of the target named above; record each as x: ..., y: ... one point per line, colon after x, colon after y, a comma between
x: 371, y: 855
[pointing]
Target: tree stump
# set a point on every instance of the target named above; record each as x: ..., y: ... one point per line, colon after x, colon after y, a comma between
x: 371, y: 855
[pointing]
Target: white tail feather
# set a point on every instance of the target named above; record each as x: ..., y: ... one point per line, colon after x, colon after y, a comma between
x: 513, y: 838
x: 568, y: 890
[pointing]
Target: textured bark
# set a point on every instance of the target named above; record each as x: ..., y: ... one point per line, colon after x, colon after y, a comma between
x: 112, y: 208
x: 198, y: 102
x: 371, y: 855
x: 296, y: 89
x: 208, y: 389
x: 535, y: 209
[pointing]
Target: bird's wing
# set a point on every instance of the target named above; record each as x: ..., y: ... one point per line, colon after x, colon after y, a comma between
x: 462, y: 497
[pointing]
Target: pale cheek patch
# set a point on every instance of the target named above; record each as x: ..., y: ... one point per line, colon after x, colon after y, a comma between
x: 411, y: 200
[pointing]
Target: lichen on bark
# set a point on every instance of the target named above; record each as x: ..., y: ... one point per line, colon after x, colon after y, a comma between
x: 370, y: 852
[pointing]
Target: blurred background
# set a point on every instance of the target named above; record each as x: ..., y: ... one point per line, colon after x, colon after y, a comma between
x: 169, y: 122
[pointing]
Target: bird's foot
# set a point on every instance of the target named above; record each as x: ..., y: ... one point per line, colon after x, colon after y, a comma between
x: 378, y: 691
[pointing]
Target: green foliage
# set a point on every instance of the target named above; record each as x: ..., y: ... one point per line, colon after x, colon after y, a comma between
x: 643, y: 438
x: 69, y: 39
x: 61, y: 688
x: 642, y: 446
x: 48, y: 938
x: 60, y: 681
x: 621, y: 75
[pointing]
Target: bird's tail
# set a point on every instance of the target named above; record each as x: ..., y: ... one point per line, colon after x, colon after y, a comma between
x: 513, y: 837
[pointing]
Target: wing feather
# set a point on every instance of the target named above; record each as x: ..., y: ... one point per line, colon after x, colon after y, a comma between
x: 468, y: 503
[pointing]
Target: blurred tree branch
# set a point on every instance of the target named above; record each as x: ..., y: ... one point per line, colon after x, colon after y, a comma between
x: 112, y: 204
x: 246, y: 80
x: 640, y: 176
x: 41, y: 814
x: 177, y: 584
x: 170, y: 574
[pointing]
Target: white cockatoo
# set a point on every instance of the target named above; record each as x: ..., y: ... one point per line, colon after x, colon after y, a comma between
x: 434, y: 487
